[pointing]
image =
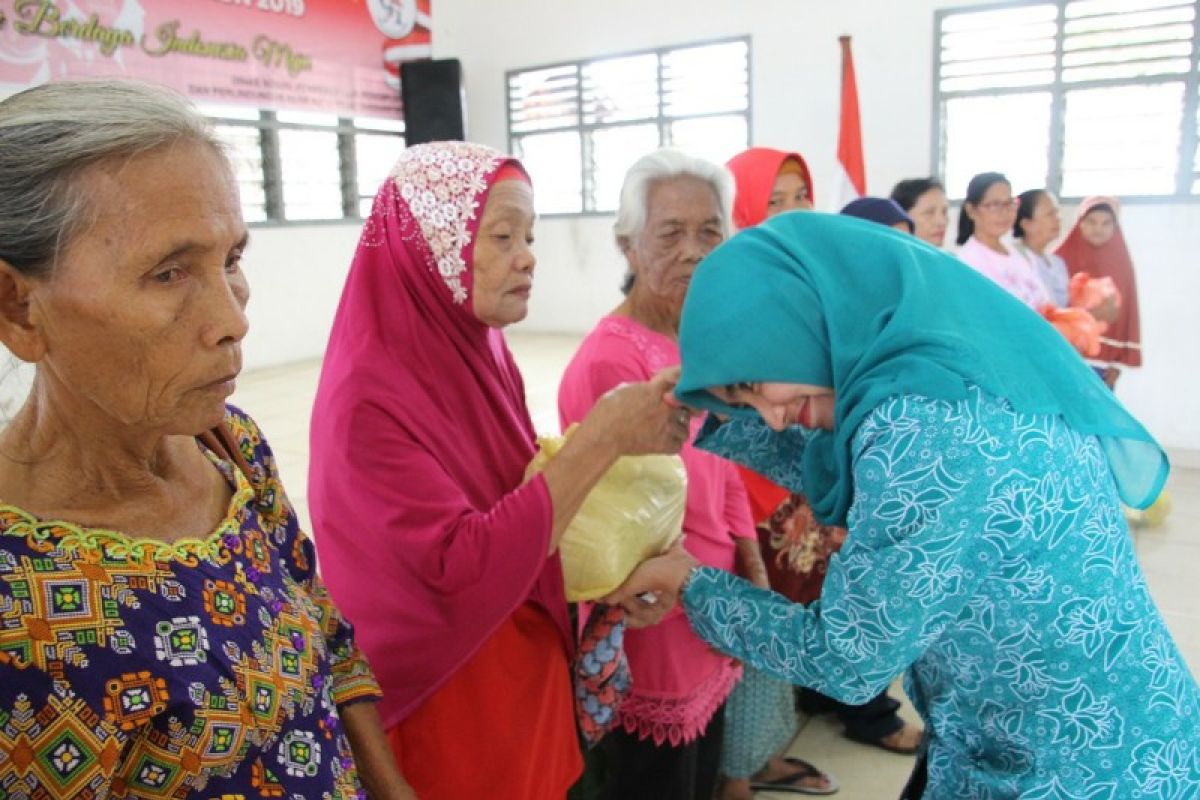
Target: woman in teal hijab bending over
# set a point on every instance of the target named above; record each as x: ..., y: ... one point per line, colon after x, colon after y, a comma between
x: 980, y: 466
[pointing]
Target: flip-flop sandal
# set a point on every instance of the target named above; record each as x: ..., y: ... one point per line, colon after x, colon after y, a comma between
x: 786, y: 784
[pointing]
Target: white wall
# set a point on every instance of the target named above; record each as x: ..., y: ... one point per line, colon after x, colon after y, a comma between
x: 796, y: 73
x: 296, y: 276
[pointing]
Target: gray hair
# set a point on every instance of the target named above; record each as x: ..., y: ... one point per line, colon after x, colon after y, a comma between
x: 663, y: 164
x: 50, y: 133
x: 660, y: 165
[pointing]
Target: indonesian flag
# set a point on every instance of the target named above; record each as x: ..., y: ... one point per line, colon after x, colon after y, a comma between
x: 852, y: 174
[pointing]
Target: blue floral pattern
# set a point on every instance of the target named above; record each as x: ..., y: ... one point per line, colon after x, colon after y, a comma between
x: 989, y: 559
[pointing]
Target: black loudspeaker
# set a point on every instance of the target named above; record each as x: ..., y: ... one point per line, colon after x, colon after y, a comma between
x: 431, y: 92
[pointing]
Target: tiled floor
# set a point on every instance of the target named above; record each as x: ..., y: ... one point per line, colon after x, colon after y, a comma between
x: 281, y: 400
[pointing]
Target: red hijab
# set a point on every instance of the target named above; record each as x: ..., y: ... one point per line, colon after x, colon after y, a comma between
x: 754, y: 171
x: 1122, y: 339
x: 427, y: 538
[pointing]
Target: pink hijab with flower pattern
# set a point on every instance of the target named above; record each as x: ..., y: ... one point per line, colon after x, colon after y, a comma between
x: 420, y: 437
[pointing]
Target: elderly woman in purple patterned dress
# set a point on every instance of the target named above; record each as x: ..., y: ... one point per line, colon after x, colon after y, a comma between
x: 163, y: 631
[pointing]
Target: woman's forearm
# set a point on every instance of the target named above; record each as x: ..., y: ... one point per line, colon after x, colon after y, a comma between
x: 750, y: 562
x: 572, y: 473
x: 372, y: 756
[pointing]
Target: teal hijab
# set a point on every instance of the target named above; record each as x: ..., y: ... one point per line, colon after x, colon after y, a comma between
x: 834, y: 301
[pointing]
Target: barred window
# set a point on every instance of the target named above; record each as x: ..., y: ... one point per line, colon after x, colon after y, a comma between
x: 1080, y: 96
x: 294, y: 166
x: 577, y: 127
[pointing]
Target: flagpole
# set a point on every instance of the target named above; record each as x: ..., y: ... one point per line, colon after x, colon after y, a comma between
x: 852, y: 178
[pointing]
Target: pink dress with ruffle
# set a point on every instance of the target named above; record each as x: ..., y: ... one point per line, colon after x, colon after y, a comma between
x: 679, y: 682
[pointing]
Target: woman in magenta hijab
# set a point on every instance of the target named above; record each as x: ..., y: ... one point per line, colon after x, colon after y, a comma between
x: 428, y: 535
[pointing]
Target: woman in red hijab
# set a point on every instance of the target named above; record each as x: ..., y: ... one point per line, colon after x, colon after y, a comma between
x: 441, y: 553
x: 1096, y: 246
x: 795, y: 548
x: 769, y: 182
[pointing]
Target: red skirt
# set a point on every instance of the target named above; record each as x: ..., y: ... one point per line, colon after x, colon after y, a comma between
x: 503, y: 726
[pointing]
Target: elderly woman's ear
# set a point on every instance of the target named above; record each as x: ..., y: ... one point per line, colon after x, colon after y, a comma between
x: 17, y: 330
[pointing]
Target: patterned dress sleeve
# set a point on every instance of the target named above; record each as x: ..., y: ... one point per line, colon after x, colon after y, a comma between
x: 353, y: 680
x: 749, y: 442
x: 907, y: 570
x: 352, y: 677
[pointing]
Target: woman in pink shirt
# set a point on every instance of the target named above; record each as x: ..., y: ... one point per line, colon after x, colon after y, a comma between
x: 987, y: 215
x: 666, y: 742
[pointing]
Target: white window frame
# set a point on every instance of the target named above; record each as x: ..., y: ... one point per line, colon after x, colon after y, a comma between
x: 662, y: 119
x: 268, y: 127
x: 1186, y: 173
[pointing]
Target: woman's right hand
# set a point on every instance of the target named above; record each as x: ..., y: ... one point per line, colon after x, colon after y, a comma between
x: 642, y: 418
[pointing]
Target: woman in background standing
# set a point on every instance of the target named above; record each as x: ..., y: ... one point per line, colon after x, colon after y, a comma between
x: 1038, y: 224
x: 925, y: 201
x: 769, y: 182
x: 1097, y: 246
x: 988, y: 214
x: 666, y: 741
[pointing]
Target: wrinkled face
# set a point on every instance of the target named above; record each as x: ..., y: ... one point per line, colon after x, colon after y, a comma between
x: 782, y: 404
x: 683, y: 225
x: 1045, y: 224
x: 788, y: 193
x: 996, y: 211
x: 503, y: 276
x: 1097, y: 227
x: 143, y: 316
x: 931, y: 215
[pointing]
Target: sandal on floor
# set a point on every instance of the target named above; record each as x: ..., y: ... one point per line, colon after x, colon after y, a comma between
x: 786, y: 784
x: 882, y: 745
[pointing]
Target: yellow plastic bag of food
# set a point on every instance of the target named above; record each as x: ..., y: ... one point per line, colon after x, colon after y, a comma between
x: 634, y: 512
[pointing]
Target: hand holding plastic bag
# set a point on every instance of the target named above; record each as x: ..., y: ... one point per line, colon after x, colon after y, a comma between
x: 634, y: 512
x: 1099, y: 296
x: 1078, y: 326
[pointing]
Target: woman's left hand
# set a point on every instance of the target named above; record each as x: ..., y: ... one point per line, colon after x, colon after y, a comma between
x: 662, y: 577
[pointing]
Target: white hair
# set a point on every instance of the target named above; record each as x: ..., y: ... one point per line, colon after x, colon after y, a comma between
x: 663, y: 164
x: 50, y: 133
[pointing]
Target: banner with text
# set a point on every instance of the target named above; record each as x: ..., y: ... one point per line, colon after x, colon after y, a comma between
x: 339, y: 56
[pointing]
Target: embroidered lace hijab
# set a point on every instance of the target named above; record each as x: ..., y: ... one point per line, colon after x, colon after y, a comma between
x: 420, y: 437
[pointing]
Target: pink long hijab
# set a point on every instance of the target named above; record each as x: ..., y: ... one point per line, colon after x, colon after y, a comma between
x: 420, y: 437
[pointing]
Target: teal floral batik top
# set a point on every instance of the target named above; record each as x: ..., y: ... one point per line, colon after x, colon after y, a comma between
x: 989, y: 560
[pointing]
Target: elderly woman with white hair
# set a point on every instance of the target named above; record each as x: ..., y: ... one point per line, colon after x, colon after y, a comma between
x: 674, y: 210
x: 163, y: 629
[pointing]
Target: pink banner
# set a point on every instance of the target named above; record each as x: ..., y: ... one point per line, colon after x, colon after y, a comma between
x: 340, y: 56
